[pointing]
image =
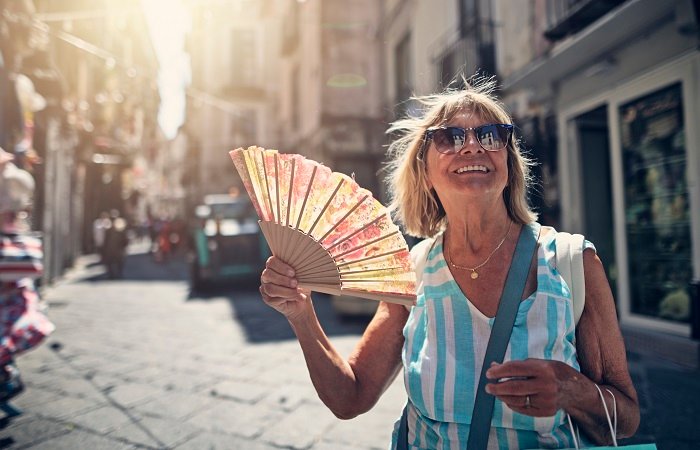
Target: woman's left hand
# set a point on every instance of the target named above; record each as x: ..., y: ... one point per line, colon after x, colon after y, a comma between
x: 535, y: 387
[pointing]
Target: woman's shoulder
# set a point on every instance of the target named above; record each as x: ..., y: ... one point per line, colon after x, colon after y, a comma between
x: 550, y: 237
x: 423, y: 248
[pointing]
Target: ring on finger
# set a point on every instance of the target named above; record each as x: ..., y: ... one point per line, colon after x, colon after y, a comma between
x: 528, y: 403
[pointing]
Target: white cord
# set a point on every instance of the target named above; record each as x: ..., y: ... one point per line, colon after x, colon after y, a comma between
x: 614, y: 413
x: 578, y: 435
x: 611, y: 423
x: 574, y: 433
x: 613, y: 431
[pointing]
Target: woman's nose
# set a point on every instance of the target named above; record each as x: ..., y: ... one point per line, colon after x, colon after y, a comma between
x: 471, y: 143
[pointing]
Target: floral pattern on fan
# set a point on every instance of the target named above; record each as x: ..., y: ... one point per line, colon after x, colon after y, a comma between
x: 336, y: 235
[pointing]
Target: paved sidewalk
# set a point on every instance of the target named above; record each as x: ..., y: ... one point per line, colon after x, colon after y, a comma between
x: 143, y: 363
x: 140, y: 363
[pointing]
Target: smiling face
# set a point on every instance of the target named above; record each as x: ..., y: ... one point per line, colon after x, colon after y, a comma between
x: 472, y: 172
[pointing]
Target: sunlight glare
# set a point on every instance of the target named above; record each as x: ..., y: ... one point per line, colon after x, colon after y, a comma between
x: 168, y: 21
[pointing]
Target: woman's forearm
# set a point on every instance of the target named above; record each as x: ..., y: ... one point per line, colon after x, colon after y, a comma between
x: 586, y: 409
x: 331, y: 374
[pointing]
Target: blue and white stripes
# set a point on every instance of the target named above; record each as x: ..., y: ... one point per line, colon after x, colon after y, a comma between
x: 446, y: 338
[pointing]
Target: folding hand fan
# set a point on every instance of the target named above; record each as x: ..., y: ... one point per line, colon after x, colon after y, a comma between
x: 338, y: 238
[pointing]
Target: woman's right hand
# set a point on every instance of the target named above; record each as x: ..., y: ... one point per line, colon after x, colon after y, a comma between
x: 279, y: 290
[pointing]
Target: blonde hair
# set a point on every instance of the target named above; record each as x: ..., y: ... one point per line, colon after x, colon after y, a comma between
x: 413, y: 203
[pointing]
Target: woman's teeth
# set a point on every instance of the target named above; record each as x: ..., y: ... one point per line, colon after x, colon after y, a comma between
x: 472, y: 169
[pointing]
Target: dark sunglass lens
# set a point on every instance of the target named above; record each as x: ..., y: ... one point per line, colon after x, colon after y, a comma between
x: 493, y: 137
x: 448, y: 140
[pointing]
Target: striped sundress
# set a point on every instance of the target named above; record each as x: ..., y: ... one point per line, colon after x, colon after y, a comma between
x: 445, y: 341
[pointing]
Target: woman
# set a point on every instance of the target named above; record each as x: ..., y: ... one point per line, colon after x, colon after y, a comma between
x: 458, y: 178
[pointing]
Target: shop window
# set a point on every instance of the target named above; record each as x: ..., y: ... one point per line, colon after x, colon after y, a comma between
x: 657, y: 212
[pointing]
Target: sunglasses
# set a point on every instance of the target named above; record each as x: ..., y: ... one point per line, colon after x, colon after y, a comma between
x: 449, y: 140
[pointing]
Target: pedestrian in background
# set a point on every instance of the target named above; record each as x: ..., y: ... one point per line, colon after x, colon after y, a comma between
x: 163, y: 240
x: 459, y: 179
x: 115, y: 243
x: 22, y: 324
x: 99, y: 231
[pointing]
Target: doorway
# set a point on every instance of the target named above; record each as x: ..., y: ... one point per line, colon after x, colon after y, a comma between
x: 596, y: 183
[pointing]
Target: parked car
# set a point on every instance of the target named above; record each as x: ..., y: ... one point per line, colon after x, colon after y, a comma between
x: 227, y: 243
x: 347, y: 306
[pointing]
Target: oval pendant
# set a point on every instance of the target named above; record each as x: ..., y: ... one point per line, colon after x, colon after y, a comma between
x: 474, y: 275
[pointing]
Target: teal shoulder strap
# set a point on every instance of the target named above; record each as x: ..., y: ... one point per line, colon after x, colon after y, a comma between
x: 501, y: 331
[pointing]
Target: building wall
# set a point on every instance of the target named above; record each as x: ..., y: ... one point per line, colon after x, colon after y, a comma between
x: 396, y: 25
x: 305, y: 75
x: 515, y: 31
x: 330, y: 101
x: 582, y: 81
x: 350, y: 76
x: 232, y: 101
x: 640, y: 55
x: 435, y: 27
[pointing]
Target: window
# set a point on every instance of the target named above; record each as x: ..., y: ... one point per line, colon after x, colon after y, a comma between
x: 245, y: 69
x: 402, y: 58
x: 568, y: 17
x: 474, y: 50
x: 459, y: 59
x: 468, y: 14
x: 657, y: 204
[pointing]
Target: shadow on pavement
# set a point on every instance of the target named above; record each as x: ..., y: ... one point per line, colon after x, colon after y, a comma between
x: 139, y: 266
x: 260, y: 322
x: 263, y: 324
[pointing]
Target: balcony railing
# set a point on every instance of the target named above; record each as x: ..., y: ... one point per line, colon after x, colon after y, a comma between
x: 568, y: 17
x: 465, y: 56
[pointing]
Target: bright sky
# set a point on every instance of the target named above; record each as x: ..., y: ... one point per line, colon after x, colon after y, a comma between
x: 169, y: 21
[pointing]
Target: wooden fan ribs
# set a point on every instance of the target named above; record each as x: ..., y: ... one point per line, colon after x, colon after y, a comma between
x: 342, y: 243
x: 263, y: 168
x: 306, y: 197
x: 291, y: 183
x: 251, y: 181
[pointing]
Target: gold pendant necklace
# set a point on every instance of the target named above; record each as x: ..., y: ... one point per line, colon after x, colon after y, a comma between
x: 474, y: 275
